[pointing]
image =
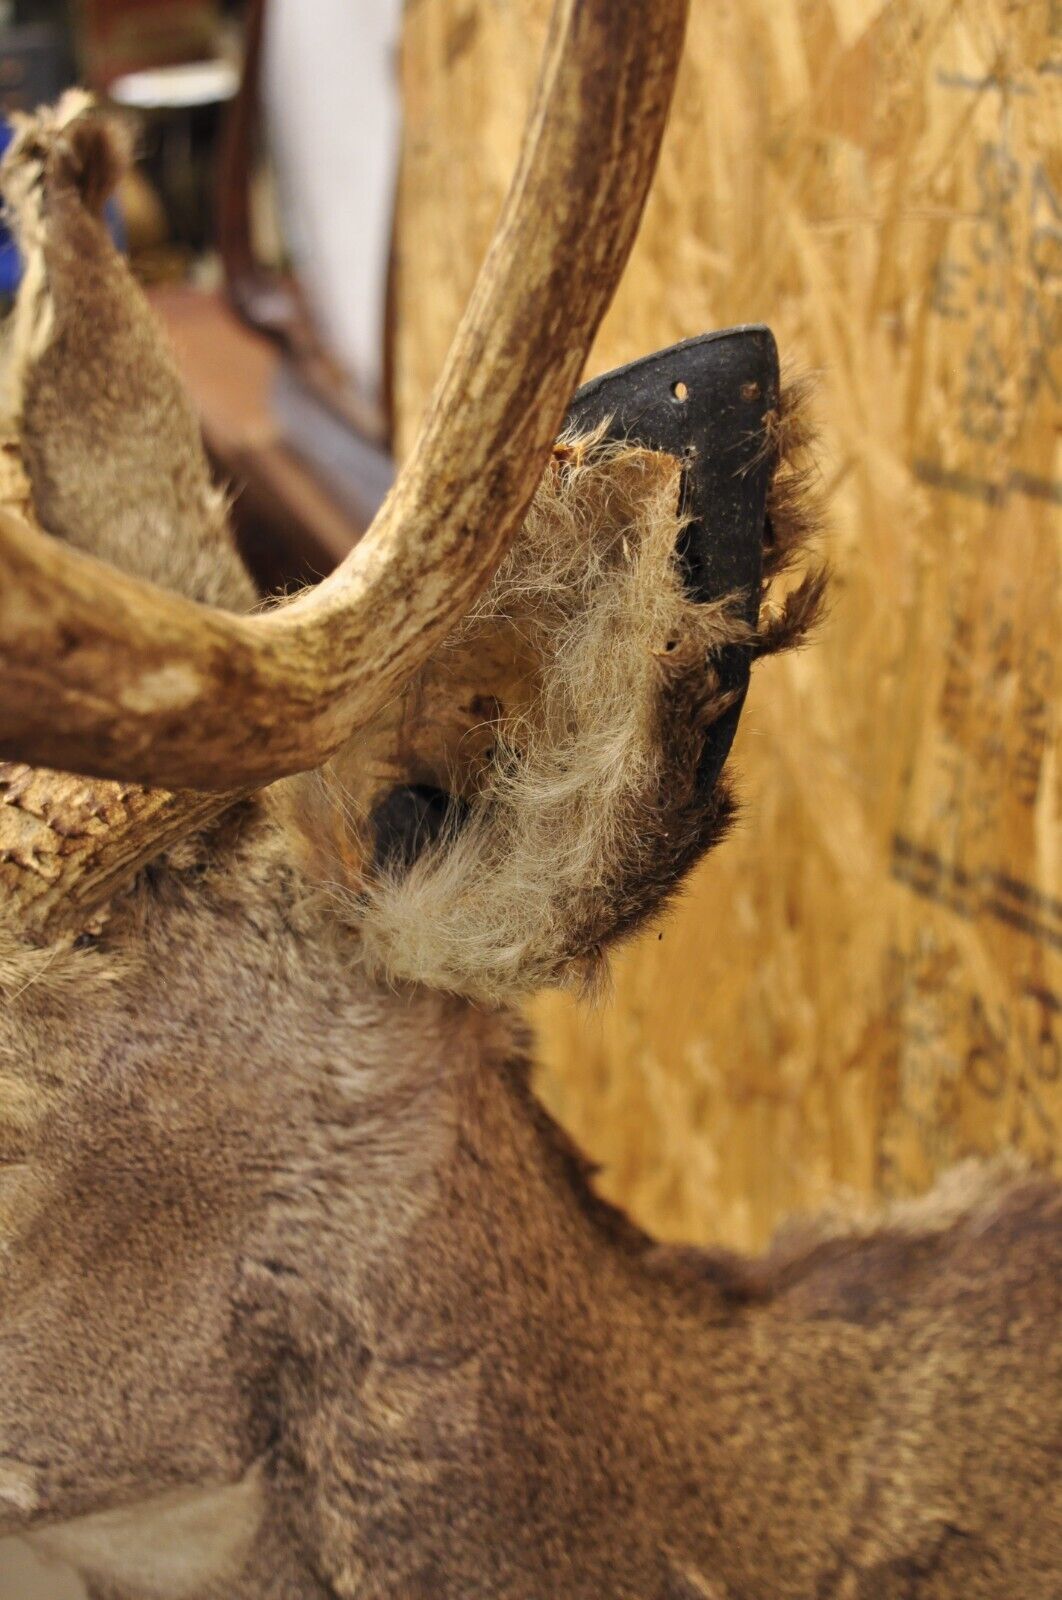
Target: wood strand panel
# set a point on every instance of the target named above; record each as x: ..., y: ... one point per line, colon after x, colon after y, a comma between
x: 866, y: 983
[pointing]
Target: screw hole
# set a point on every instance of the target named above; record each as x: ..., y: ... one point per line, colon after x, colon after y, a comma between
x: 680, y: 391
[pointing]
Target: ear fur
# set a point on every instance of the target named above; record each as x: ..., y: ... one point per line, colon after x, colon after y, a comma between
x: 795, y: 516
x: 91, y: 156
x: 85, y: 360
x: 588, y: 813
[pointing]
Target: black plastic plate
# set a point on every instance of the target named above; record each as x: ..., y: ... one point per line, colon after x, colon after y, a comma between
x: 705, y: 401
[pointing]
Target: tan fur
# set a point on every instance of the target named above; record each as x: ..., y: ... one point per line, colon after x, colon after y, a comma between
x: 524, y: 891
x: 561, y: 845
x: 268, y: 1221
x: 117, y: 469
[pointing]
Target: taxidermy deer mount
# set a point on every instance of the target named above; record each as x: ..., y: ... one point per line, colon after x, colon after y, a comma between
x: 302, y: 1295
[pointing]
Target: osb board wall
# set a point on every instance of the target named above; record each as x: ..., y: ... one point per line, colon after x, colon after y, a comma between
x: 866, y: 983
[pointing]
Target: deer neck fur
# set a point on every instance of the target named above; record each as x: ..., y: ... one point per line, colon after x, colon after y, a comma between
x: 537, y: 1399
x: 352, y: 1248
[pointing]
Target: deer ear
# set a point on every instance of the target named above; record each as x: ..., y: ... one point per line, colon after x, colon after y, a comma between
x: 84, y: 361
x: 554, y: 771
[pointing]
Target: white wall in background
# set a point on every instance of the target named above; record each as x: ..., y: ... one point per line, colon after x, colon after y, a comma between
x: 333, y: 114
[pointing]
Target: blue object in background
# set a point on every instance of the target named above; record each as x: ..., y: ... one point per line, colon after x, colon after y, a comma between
x: 10, y: 260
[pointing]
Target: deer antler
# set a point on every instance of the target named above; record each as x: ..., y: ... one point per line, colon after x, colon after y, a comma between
x: 107, y: 675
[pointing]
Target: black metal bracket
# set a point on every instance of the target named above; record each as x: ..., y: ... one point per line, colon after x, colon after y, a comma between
x: 706, y: 401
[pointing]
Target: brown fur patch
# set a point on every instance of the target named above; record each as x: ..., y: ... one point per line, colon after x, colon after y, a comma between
x: 92, y: 155
x: 589, y: 812
x: 86, y: 361
x: 795, y: 519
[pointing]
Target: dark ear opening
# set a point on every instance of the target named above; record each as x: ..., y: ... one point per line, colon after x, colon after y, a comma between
x: 409, y: 819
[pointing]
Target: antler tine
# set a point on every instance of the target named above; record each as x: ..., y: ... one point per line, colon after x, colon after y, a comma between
x: 106, y: 675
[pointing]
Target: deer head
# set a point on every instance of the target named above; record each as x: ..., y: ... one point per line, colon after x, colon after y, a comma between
x: 301, y: 1294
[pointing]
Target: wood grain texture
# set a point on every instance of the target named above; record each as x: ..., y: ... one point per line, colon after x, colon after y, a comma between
x: 865, y: 984
x: 106, y: 676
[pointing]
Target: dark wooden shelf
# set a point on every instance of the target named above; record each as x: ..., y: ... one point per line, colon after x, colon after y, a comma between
x: 290, y: 528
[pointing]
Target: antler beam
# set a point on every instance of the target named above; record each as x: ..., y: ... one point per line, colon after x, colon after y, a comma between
x: 109, y: 676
